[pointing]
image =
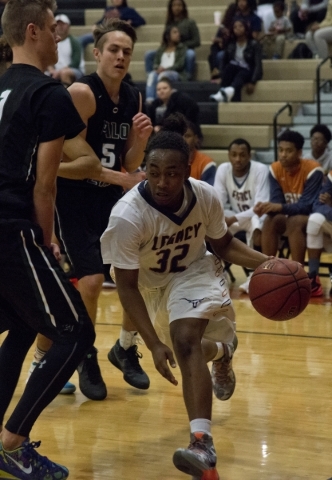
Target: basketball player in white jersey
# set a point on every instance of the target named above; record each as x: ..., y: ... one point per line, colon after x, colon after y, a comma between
x: 240, y: 184
x: 167, y: 282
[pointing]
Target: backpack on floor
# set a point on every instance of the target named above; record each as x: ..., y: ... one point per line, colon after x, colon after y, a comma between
x: 301, y: 51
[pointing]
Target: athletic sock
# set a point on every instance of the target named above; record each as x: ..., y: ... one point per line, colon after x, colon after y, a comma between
x: 38, y: 355
x: 127, y: 338
x: 200, y: 425
x: 220, y: 352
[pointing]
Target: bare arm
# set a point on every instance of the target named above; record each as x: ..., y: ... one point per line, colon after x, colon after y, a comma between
x: 133, y: 303
x: 232, y: 250
x: 48, y: 160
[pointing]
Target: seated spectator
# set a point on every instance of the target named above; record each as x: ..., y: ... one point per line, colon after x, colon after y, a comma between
x: 118, y: 9
x: 241, y: 64
x: 170, y: 100
x: 241, y: 183
x: 294, y: 186
x: 70, y: 65
x: 320, y: 137
x: 177, y: 16
x: 246, y: 11
x: 220, y: 40
x: 319, y: 35
x: 273, y: 41
x: 202, y: 166
x: 319, y: 234
x: 309, y: 12
x: 265, y: 13
x: 169, y: 62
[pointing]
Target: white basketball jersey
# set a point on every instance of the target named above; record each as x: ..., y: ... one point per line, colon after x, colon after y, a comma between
x: 242, y: 197
x: 142, y: 236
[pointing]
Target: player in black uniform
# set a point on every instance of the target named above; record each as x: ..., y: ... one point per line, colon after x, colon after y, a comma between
x: 118, y: 132
x: 35, y: 295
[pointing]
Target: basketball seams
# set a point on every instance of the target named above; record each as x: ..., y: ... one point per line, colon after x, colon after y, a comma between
x: 279, y: 289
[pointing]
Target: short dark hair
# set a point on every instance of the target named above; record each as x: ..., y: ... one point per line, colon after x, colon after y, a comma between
x: 177, y: 122
x: 323, y: 129
x: 170, y: 137
x: 112, y: 25
x: 292, y: 137
x: 19, y: 13
x: 240, y: 141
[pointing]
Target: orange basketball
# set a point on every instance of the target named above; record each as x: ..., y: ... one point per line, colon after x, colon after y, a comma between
x: 279, y: 289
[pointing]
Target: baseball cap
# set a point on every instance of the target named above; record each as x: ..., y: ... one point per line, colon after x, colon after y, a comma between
x: 62, y: 18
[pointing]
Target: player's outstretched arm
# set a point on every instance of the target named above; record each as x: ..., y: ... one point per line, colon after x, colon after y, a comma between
x: 133, y: 303
x: 232, y: 250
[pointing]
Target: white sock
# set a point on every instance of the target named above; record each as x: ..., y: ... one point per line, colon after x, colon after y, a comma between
x: 200, y: 425
x: 220, y: 352
x: 127, y: 338
x: 38, y: 355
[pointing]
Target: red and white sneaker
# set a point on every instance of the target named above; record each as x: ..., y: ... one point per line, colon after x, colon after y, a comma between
x: 222, y: 373
x: 199, y: 459
x: 316, y: 286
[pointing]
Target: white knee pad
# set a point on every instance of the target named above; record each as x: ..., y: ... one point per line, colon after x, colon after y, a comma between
x: 315, y: 235
x: 315, y: 223
x: 315, y: 241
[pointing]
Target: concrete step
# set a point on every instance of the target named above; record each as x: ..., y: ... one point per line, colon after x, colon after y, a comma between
x: 218, y: 155
x: 282, y: 91
x: 220, y: 136
x: 286, y: 69
x: 264, y: 156
x: 311, y: 120
x: 311, y: 109
x: 253, y: 113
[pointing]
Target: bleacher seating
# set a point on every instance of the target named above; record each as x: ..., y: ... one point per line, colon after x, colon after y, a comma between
x: 283, y: 80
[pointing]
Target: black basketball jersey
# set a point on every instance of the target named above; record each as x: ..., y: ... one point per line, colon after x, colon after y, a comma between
x: 109, y: 128
x: 33, y: 109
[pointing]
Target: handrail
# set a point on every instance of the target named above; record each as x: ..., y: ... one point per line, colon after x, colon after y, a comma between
x: 276, y: 115
x: 318, y: 85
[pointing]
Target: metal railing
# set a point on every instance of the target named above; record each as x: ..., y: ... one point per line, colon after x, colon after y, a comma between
x: 319, y: 86
x: 275, y: 133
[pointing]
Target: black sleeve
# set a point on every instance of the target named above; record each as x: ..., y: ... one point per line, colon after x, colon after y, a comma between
x: 257, y: 73
x: 56, y: 115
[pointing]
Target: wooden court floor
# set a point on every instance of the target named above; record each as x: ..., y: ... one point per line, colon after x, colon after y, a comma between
x: 277, y: 425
